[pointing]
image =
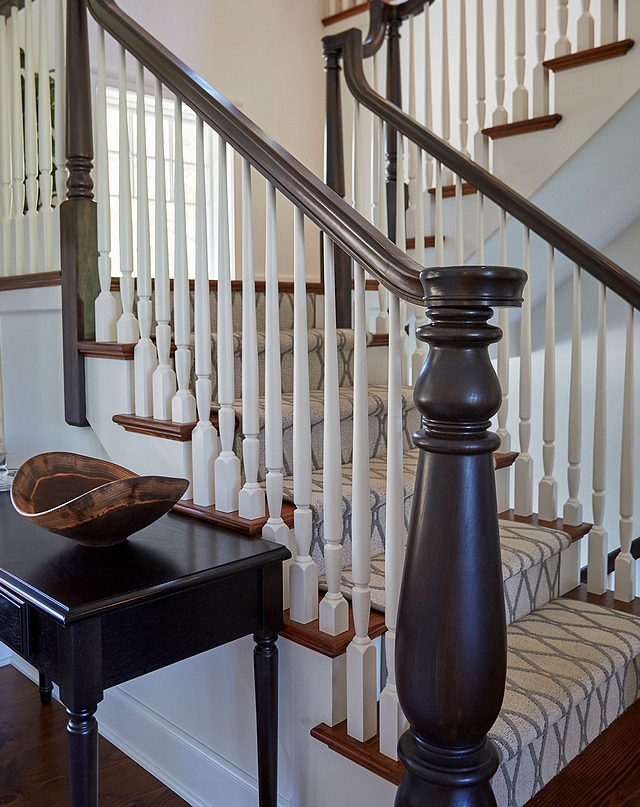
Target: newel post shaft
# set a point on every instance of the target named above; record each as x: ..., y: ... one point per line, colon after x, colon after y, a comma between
x: 451, y: 631
x: 78, y: 217
x: 334, y: 171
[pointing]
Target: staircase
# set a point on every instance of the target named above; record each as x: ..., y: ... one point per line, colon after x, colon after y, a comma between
x: 265, y: 404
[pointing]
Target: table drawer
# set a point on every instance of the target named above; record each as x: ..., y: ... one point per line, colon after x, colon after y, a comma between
x: 14, y: 629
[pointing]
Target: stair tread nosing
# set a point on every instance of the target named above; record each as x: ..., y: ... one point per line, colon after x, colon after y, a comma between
x: 530, y: 569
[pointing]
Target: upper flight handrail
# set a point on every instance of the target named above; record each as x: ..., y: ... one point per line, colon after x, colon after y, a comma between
x: 539, y: 222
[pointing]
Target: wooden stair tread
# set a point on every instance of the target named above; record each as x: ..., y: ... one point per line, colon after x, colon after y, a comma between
x: 284, y: 286
x: 575, y: 533
x: 366, y: 754
x: 606, y: 600
x: 429, y: 242
x: 449, y: 191
x: 35, y: 281
x: 345, y: 14
x: 522, y: 126
x: 312, y: 637
x: 232, y: 521
x: 504, y: 459
x: 610, y: 51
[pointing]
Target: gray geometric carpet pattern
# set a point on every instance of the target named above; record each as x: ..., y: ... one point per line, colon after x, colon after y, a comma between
x: 572, y: 670
x: 377, y: 426
x: 530, y: 569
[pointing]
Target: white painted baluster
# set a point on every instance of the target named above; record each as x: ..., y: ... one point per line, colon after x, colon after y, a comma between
x: 106, y: 307
x: 597, y: 571
x: 45, y: 161
x: 563, y: 46
x: 17, y: 151
x: 183, y: 405
x: 540, y: 73
x: 524, y: 462
x: 439, y: 226
x: 419, y: 354
x: 459, y: 246
x: 548, y: 487
x: 500, y: 113
x: 59, y: 126
x: 275, y: 529
x: 227, y: 467
x: 392, y: 720
x: 625, y: 564
x: 304, y: 572
x: 572, y: 512
x: 480, y: 228
x: 379, y: 193
x: 145, y: 358
x: 464, y: 81
x: 204, y: 437
x: 5, y: 154
x: 333, y: 610
x: 428, y: 90
x: 164, y: 377
x: 362, y: 712
x: 401, y: 240
x: 251, y: 500
x: 608, y: 21
x: 520, y: 94
x: 503, y: 352
x: 481, y: 142
x: 412, y: 213
x: 30, y: 143
x: 446, y: 97
x: 127, y: 327
x: 586, y: 27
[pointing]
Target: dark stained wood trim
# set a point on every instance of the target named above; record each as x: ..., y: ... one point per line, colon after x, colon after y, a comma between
x: 429, y: 242
x: 505, y: 460
x: 106, y: 350
x: 606, y: 600
x: 520, y: 127
x: 167, y: 429
x: 449, y: 191
x: 36, y: 281
x: 232, y: 520
x: 344, y: 15
x: 582, y: 57
x: 379, y: 340
x: 6, y: 6
x: 575, y: 533
x: 284, y: 287
x: 312, y: 637
x: 605, y: 774
x: 366, y: 754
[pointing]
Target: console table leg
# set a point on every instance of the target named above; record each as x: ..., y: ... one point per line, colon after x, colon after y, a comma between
x: 265, y: 665
x: 82, y: 745
x: 45, y: 688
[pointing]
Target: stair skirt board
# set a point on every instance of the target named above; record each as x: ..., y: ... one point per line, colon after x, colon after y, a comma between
x: 377, y: 426
x: 572, y: 670
x: 530, y: 569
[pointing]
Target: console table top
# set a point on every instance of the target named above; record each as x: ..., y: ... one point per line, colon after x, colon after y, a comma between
x: 72, y: 582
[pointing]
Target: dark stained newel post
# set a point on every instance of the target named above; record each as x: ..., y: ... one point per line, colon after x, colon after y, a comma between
x: 451, y: 634
x: 78, y: 217
x: 334, y: 170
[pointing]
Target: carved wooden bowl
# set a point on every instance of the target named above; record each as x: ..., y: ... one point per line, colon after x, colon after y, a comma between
x: 94, y: 502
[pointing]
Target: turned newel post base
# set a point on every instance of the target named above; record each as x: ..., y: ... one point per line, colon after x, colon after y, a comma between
x: 451, y: 633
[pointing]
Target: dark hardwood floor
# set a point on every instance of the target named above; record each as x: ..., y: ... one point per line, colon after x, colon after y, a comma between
x: 33, y: 762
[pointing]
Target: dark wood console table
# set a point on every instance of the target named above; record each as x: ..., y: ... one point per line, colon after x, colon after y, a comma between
x: 89, y: 619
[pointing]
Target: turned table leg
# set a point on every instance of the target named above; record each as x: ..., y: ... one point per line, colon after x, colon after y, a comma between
x: 82, y: 744
x: 265, y: 665
x: 45, y: 688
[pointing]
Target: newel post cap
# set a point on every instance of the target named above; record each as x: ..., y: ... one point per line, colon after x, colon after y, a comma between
x: 473, y: 286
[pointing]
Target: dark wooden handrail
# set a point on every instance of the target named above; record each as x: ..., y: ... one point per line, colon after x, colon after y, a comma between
x: 7, y: 5
x: 351, y: 231
x: 539, y: 222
